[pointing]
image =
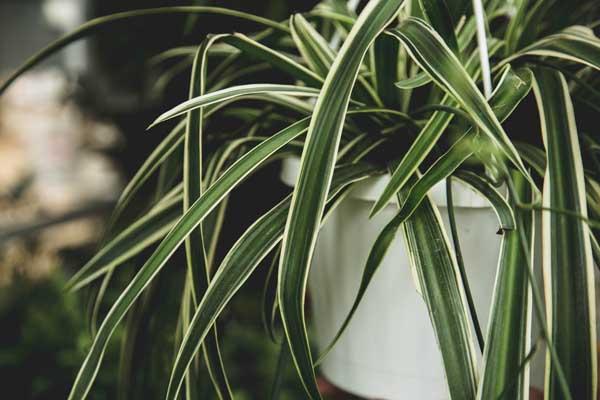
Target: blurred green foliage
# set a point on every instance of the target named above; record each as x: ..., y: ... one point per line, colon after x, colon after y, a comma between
x: 44, y: 339
x: 45, y: 335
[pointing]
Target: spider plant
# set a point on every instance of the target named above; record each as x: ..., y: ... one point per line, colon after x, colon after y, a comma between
x: 414, y: 89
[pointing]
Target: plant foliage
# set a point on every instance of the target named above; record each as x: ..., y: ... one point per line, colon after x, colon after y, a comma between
x: 402, y: 94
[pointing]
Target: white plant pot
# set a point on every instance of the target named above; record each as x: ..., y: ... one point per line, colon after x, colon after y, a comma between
x: 389, y: 350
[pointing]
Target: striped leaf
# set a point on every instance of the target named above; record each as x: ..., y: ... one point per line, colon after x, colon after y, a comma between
x: 320, y: 57
x: 576, y: 43
x: 512, y: 88
x: 428, y: 50
x: 172, y: 143
x: 276, y: 59
x: 418, y: 80
x: 192, y: 190
x: 190, y: 220
x: 98, y: 24
x: 567, y: 254
x: 440, y: 170
x: 503, y: 210
x: 138, y: 236
x: 438, y: 16
x: 441, y: 286
x: 509, y: 330
x: 312, y: 46
x: 313, y: 183
x: 233, y: 93
x: 420, y: 148
x: 237, y: 266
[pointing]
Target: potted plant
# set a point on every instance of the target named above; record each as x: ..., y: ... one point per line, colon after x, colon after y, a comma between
x: 410, y: 98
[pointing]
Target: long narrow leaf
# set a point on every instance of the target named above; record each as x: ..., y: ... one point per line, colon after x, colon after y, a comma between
x: 573, y: 44
x: 170, y: 144
x: 105, y: 22
x: 430, y: 52
x: 192, y: 190
x: 509, y: 329
x: 427, y: 138
x: 440, y: 284
x: 237, y: 266
x: 502, y: 209
x: 567, y: 254
x: 144, y: 232
x: 512, y: 88
x: 438, y: 15
x: 261, y: 52
x: 232, y: 93
x: 190, y: 220
x: 313, y: 183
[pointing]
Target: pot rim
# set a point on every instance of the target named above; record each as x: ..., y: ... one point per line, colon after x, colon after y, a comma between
x: 370, y: 189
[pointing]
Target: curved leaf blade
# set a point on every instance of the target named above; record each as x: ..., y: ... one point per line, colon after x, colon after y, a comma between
x: 427, y: 138
x: 276, y: 59
x: 431, y: 53
x: 190, y: 220
x: 192, y: 190
x: 567, y: 253
x: 104, y: 22
x: 416, y: 81
x: 576, y: 44
x: 237, y: 266
x: 509, y: 331
x: 138, y: 236
x: 501, y: 207
x: 442, y: 289
x: 511, y: 90
x: 232, y: 93
x: 318, y: 159
x: 438, y: 15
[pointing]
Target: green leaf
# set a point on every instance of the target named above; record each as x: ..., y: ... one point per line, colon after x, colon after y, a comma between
x: 269, y: 299
x: 508, y: 338
x: 233, y: 93
x: 101, y: 23
x: 510, y: 91
x: 386, y: 52
x: 515, y: 26
x: 429, y: 51
x: 274, y: 58
x: 439, y: 171
x: 567, y: 254
x: 318, y: 160
x: 282, y: 360
x: 312, y: 46
x: 320, y: 57
x: 387, y: 235
x: 438, y: 16
x: 502, y: 209
x: 138, y: 236
x: 576, y: 43
x: 172, y: 143
x: 418, y: 80
x: 190, y: 220
x: 425, y: 141
x: 238, y: 265
x: 533, y: 156
x: 192, y: 190
x: 442, y: 289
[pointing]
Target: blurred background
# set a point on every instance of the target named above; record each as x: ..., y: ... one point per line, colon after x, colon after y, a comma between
x: 72, y: 132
